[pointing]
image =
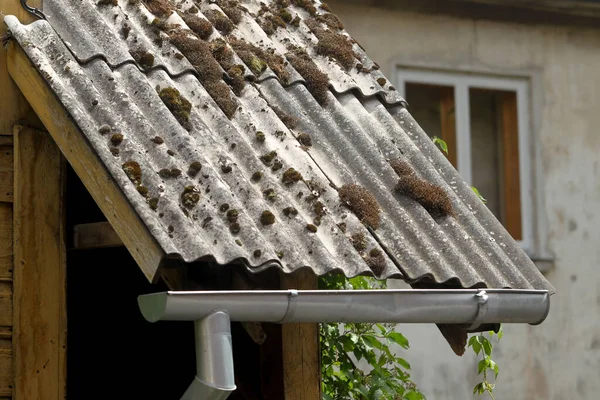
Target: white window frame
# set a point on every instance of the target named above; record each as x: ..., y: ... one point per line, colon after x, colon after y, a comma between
x: 462, y: 82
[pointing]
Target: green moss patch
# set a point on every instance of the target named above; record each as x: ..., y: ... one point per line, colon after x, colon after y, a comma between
x: 153, y: 203
x: 308, y: 5
x: 362, y: 203
x: 200, y: 26
x: 290, y: 211
x: 304, y: 139
x: 289, y: 121
x: 112, y: 3
x: 116, y: 139
x: 376, y: 261
x: 257, y: 59
x: 317, y: 82
x: 267, y: 218
x: 162, y: 8
x: 133, y: 171
x: 194, y: 168
x: 169, y: 173
x: 199, y: 54
x: 291, y: 176
x: 232, y: 9
x: 190, y: 197
x: 333, y: 44
x: 235, y: 72
x: 270, y: 194
x: 145, y: 59
x: 220, y: 21
x: 257, y: 176
x: 433, y: 198
x: 179, y: 106
x: 331, y: 20
x: 268, y: 158
x: 359, y: 241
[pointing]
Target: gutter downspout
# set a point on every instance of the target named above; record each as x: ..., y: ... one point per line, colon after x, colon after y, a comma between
x: 214, y: 378
x: 212, y: 312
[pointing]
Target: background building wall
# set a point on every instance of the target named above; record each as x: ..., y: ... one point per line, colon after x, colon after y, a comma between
x: 559, y: 359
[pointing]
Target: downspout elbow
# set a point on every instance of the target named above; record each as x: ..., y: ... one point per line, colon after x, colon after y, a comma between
x: 214, y: 378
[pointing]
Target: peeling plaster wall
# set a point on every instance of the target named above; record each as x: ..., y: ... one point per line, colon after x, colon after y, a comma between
x: 559, y: 359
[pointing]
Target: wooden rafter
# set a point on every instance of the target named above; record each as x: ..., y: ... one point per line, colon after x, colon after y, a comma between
x: 86, y: 163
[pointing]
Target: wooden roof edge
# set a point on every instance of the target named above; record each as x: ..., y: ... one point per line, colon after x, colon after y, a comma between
x: 86, y: 163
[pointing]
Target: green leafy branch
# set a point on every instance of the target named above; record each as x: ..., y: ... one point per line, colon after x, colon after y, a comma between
x: 481, y: 344
x: 441, y: 143
x: 343, y: 345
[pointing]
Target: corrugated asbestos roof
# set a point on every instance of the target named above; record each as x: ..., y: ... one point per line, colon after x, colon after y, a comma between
x: 110, y: 62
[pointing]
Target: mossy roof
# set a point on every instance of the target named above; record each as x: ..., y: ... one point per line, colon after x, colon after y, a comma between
x: 230, y: 119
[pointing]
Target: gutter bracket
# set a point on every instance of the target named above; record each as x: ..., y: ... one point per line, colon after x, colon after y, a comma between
x: 291, y: 308
x: 482, y: 308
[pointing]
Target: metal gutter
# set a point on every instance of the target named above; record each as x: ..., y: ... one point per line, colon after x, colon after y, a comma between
x: 444, y: 306
x: 212, y: 312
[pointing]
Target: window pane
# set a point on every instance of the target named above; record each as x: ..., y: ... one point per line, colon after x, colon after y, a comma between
x: 432, y: 107
x: 486, y: 147
x: 495, y: 154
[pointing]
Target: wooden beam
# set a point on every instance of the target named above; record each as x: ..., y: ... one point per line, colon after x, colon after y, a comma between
x: 39, y: 314
x: 13, y: 106
x: 86, y: 163
x: 95, y: 235
x: 300, y: 347
x: 6, y: 242
x: 510, y: 162
x: 6, y: 169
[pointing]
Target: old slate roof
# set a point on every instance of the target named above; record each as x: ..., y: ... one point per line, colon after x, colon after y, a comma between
x: 233, y: 126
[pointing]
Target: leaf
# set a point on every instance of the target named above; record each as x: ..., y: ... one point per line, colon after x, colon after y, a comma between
x: 403, y: 362
x: 487, y: 345
x: 494, y: 367
x: 399, y: 339
x: 479, y: 388
x: 440, y: 143
x: 372, y: 341
x: 479, y: 194
x: 475, y: 344
x: 412, y: 395
x: 347, y: 343
x: 482, y: 366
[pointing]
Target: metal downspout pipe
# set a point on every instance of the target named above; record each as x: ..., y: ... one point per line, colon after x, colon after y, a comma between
x: 214, y: 378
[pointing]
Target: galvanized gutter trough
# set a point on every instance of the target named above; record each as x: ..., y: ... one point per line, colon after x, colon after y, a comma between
x: 212, y: 312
